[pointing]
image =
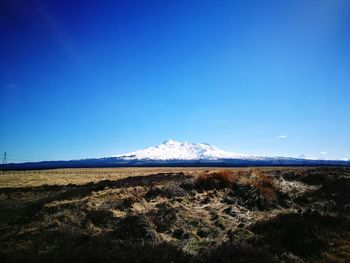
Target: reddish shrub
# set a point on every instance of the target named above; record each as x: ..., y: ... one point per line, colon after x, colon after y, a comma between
x: 264, y: 184
x: 220, y: 179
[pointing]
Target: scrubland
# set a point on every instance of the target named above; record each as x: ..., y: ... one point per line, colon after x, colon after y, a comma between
x: 278, y: 214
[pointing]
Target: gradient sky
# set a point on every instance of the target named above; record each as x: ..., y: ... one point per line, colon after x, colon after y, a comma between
x: 96, y: 78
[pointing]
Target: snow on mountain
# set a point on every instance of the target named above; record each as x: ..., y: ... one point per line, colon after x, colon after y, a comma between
x: 173, y: 150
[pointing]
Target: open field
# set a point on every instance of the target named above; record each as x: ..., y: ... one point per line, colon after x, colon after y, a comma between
x: 81, y: 175
x: 277, y: 214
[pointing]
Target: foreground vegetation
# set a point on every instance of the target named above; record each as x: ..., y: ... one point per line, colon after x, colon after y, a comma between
x: 176, y: 215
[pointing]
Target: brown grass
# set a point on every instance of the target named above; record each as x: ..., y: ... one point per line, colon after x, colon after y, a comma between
x: 81, y: 176
x: 225, y: 178
x: 264, y: 184
x: 222, y: 178
x: 125, y: 215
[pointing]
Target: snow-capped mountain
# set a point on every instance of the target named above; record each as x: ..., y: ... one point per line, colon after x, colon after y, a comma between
x: 173, y: 150
x: 183, y: 154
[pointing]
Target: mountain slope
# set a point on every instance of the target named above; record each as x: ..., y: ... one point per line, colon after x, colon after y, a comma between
x: 173, y: 150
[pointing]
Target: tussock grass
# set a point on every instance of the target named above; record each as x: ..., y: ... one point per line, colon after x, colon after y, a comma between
x: 264, y: 184
x: 220, y: 179
x: 230, y: 179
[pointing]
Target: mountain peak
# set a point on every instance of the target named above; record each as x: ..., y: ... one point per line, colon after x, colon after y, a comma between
x: 170, y: 142
x: 174, y: 150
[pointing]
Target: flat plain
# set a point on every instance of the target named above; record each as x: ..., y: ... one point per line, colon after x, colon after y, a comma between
x: 272, y: 214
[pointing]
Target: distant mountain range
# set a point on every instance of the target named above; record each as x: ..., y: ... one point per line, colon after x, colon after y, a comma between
x: 173, y: 153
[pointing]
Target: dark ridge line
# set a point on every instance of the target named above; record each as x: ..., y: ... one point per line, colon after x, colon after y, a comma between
x: 118, y: 163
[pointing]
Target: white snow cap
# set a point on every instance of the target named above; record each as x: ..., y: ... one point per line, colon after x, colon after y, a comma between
x: 173, y: 150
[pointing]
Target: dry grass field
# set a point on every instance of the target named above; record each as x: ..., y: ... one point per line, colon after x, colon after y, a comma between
x: 79, y: 176
x: 176, y: 215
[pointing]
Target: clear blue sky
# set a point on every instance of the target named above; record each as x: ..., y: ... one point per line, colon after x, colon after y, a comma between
x: 96, y: 78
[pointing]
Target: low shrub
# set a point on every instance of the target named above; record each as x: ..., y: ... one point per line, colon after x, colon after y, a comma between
x: 169, y: 190
x: 134, y: 227
x: 220, y: 179
x: 238, y: 253
x: 100, y: 217
x: 304, y: 234
x: 264, y: 184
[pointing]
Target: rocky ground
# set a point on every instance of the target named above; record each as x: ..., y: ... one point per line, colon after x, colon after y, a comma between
x: 228, y: 215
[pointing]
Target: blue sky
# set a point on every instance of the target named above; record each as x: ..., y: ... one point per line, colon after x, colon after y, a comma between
x: 95, y: 78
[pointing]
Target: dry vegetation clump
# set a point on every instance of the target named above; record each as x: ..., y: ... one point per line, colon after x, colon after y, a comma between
x: 249, y: 187
x: 230, y: 179
x: 305, y: 233
x: 163, y: 217
x: 134, y: 226
x: 220, y: 179
x: 240, y: 253
x: 265, y: 185
x: 169, y: 190
x: 100, y: 217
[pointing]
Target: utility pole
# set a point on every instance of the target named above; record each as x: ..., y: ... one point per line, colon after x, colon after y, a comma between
x: 4, y: 162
